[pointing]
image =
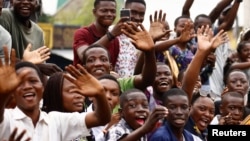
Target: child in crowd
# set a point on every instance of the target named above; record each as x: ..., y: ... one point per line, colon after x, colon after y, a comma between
x: 136, y: 121
x: 176, y: 100
x: 231, y: 109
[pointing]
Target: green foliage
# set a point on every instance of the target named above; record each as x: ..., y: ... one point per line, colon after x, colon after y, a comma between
x: 82, y: 16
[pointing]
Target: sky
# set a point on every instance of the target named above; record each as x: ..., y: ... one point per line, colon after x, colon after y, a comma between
x: 171, y: 7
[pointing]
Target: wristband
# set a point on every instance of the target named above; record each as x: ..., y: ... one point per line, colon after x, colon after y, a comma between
x: 110, y: 36
x: 239, y: 1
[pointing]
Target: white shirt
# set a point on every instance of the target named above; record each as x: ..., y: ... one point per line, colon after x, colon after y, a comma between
x: 54, y: 126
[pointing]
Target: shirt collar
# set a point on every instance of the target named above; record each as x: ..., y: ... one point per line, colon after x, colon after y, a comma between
x: 19, y: 115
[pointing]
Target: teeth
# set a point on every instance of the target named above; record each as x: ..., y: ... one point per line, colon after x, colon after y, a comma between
x: 29, y: 94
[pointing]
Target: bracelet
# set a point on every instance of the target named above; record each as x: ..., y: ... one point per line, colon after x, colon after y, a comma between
x: 110, y: 36
x: 239, y: 1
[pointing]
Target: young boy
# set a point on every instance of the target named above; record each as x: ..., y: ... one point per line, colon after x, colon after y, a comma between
x: 134, y: 111
x: 176, y: 100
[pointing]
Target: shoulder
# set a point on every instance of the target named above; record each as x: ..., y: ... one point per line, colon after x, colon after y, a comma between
x: 36, y: 27
x: 160, y: 133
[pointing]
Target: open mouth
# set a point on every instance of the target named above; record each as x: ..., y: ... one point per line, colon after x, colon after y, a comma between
x: 141, y: 119
x: 29, y: 96
x: 164, y: 84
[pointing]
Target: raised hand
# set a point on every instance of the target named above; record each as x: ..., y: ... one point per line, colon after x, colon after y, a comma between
x: 36, y: 56
x: 19, y: 137
x: 187, y: 32
x: 87, y: 84
x: 159, y: 113
x: 219, y: 39
x: 204, y: 36
x: 139, y: 36
x: 157, y: 26
x: 9, y: 80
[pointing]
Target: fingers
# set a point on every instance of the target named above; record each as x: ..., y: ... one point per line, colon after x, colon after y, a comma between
x: 69, y: 77
x: 6, y: 55
x: 73, y: 71
x: 29, y: 46
x: 13, y: 134
x: 130, y: 29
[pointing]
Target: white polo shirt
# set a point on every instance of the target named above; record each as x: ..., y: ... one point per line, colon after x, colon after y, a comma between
x: 54, y: 126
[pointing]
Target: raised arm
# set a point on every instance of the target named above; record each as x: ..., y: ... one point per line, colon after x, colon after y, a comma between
x: 230, y: 17
x: 142, y: 41
x: 89, y: 86
x: 8, y: 72
x: 215, y: 13
x: 186, y: 7
x: 206, y: 44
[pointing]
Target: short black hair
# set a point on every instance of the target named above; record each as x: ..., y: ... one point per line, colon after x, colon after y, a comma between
x: 22, y: 64
x: 180, y: 17
x: 96, y: 2
x: 231, y: 94
x: 111, y: 77
x: 196, y: 19
x: 241, y: 45
x: 229, y: 71
x: 138, y: 1
x: 173, y: 92
x: 90, y: 47
x: 124, y: 95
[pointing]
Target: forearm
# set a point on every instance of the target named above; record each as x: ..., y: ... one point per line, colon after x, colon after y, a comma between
x: 106, y: 39
x: 242, y: 65
x: 102, y: 109
x: 139, y: 64
x: 193, y: 72
x: 230, y: 17
x: 186, y: 7
x: 165, y: 45
x: 149, y: 68
x: 215, y: 13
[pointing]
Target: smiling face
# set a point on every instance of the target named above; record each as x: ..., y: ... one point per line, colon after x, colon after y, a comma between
x: 178, y: 110
x: 137, y: 11
x: 72, y: 101
x: 97, y: 62
x: 244, y: 53
x: 135, y: 109
x: 24, y: 8
x: 202, y: 112
x: 105, y: 13
x: 29, y: 93
x: 164, y: 79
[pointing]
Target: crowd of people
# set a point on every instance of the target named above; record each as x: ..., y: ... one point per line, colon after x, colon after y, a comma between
x: 126, y: 83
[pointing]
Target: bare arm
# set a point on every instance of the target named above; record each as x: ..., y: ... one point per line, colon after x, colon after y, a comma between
x: 240, y: 65
x: 90, y: 86
x: 215, y: 13
x: 186, y: 7
x: 230, y: 17
x: 206, y: 43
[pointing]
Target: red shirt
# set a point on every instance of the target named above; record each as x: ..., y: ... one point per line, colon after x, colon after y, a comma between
x: 87, y: 36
